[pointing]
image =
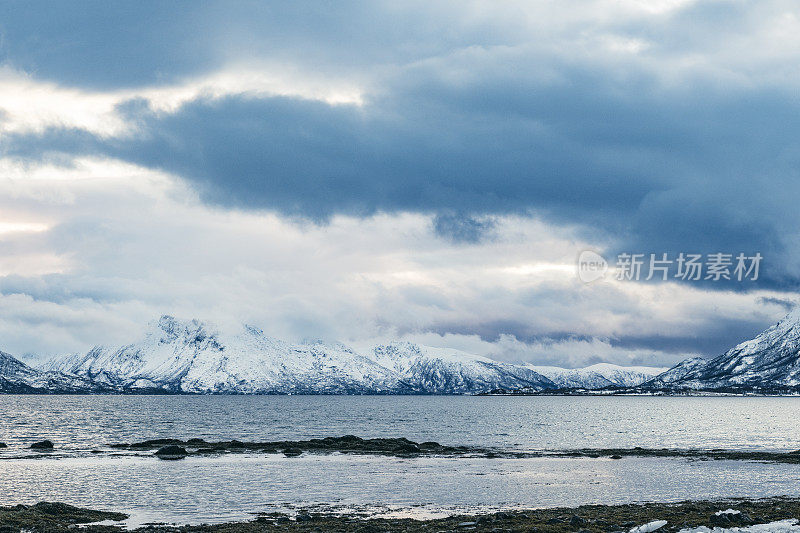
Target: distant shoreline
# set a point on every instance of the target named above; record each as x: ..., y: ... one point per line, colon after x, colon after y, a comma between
x: 592, y: 393
x: 636, y: 391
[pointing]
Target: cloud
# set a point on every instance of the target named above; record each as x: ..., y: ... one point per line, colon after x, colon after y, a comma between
x: 641, y: 167
x: 151, y: 43
x: 461, y: 228
x: 132, y: 246
x: 360, y: 171
x: 115, y: 45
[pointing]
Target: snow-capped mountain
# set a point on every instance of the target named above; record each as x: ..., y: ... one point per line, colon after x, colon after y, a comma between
x: 598, y: 376
x: 447, y: 371
x: 677, y: 373
x: 16, y: 376
x: 770, y: 361
x: 195, y: 357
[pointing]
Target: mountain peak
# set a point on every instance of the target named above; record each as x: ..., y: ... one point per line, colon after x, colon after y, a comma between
x: 11, y: 365
x: 598, y: 376
x: 194, y: 356
x: 769, y: 361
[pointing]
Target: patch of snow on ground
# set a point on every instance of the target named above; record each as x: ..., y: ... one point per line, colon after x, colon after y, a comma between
x: 649, y: 527
x: 782, y: 526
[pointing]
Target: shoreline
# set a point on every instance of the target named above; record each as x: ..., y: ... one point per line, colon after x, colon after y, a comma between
x: 725, y: 513
x: 633, y: 392
x: 176, y: 449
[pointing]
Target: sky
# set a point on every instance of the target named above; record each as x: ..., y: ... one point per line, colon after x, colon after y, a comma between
x: 423, y: 171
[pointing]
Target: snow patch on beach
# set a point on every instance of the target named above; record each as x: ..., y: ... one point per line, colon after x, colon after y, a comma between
x: 781, y: 526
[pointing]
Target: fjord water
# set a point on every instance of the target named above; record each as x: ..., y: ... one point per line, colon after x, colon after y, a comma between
x: 524, y: 423
x: 212, y: 489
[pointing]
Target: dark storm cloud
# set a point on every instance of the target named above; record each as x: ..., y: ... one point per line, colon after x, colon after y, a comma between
x: 485, y: 119
x: 58, y: 146
x: 99, y: 44
x: 104, y: 44
x: 786, y: 303
x: 648, y: 172
x: 461, y: 228
x: 474, y: 127
x: 709, y: 339
x: 314, y: 160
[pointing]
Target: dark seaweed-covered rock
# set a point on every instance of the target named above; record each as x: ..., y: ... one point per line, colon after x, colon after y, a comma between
x: 292, y: 452
x: 49, y: 516
x: 730, y: 519
x: 720, y: 520
x: 154, y: 443
x: 345, y: 444
x: 576, y: 521
x: 42, y: 445
x: 406, y: 449
x: 699, y: 454
x: 172, y: 451
x: 60, y: 518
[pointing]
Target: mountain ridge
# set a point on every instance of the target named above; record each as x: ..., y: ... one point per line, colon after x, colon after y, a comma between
x: 768, y: 362
x: 195, y: 357
x: 598, y: 376
x: 17, y: 377
x: 192, y: 356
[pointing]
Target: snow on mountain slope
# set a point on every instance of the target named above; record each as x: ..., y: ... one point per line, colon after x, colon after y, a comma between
x: 769, y: 361
x: 677, y: 373
x: 572, y: 378
x: 625, y: 376
x: 446, y: 371
x: 194, y: 357
x: 16, y: 376
x: 11, y: 367
x: 597, y: 376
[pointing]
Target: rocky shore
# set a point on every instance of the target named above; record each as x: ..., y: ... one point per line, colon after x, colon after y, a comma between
x: 173, y: 448
x: 170, y: 448
x: 57, y: 517
x: 176, y: 448
x: 792, y: 457
x: 49, y: 516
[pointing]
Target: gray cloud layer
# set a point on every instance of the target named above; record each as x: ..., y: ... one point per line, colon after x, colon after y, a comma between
x: 672, y: 132
x: 648, y: 172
